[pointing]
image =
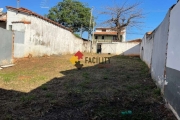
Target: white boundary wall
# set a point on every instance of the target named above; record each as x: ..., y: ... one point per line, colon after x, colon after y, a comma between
x: 42, y: 37
x: 165, y: 58
x: 146, y: 48
x: 123, y: 48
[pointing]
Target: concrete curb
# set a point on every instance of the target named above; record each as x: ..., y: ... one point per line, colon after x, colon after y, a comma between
x: 6, y: 66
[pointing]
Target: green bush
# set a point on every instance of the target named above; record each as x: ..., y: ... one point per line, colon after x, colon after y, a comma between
x: 77, y: 35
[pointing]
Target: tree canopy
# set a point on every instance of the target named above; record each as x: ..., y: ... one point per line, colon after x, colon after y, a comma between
x: 72, y: 14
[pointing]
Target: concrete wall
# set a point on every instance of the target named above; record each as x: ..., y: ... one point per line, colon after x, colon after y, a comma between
x: 5, y: 47
x: 142, y: 47
x: 86, y: 46
x: 128, y: 49
x: 146, y: 49
x: 165, y: 65
x: 108, y: 48
x: 94, y: 48
x: 159, y: 52
x: 42, y: 37
x: 19, y: 27
x: 172, y: 88
x: 124, y: 48
x: 19, y: 46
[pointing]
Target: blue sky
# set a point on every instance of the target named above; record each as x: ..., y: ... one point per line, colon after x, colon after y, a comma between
x: 155, y: 12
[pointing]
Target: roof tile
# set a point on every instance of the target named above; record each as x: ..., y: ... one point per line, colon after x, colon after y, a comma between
x: 107, y: 33
x: 24, y: 10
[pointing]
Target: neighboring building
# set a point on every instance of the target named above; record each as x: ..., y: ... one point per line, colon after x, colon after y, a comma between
x: 38, y: 35
x: 146, y: 48
x: 135, y: 41
x: 3, y: 17
x: 16, y: 18
x: 107, y: 35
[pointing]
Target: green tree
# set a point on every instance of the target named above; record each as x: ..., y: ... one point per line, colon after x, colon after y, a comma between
x: 72, y: 14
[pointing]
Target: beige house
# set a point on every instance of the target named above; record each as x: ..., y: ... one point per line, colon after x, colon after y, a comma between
x: 107, y: 35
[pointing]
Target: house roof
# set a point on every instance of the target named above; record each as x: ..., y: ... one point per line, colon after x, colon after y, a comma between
x: 2, y: 20
x: 100, y: 28
x: 148, y: 33
x: 24, y: 10
x: 24, y: 22
x: 3, y: 17
x: 136, y: 40
x: 107, y: 33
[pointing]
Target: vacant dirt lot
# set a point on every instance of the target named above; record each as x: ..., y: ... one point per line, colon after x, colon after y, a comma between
x: 51, y: 88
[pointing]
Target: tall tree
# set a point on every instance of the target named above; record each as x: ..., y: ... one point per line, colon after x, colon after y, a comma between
x: 122, y: 16
x: 72, y: 14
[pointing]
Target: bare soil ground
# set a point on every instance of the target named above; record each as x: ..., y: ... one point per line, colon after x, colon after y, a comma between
x: 51, y: 88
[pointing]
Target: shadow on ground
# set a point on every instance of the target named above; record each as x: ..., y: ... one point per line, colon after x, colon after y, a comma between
x: 92, y: 93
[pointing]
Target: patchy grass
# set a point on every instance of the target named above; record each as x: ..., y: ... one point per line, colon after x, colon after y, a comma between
x: 52, y: 88
x: 27, y: 98
x: 44, y: 87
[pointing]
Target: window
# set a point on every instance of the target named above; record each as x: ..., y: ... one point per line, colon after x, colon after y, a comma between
x: 114, y: 37
x: 121, y: 38
x: 96, y: 37
x: 103, y: 30
x: 102, y: 37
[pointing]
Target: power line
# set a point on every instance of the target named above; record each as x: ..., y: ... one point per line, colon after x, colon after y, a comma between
x: 18, y: 3
x: 136, y: 33
x: 44, y: 4
x: 90, y: 24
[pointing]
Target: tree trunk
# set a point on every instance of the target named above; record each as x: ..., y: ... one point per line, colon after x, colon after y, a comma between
x: 119, y: 35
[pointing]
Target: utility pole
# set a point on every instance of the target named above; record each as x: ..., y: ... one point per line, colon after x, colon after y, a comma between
x: 90, y: 24
x: 1, y: 11
x: 92, y: 43
x: 90, y: 29
x: 18, y: 2
x: 93, y: 30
